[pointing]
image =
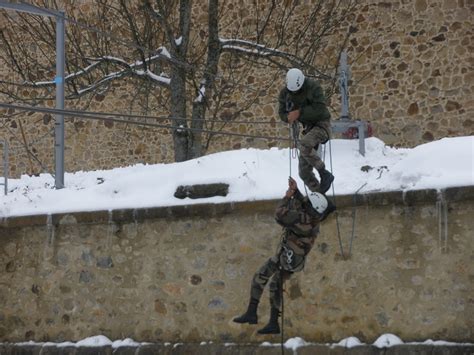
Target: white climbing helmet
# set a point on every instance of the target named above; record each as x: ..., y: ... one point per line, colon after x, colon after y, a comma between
x: 294, y: 79
x: 318, y: 201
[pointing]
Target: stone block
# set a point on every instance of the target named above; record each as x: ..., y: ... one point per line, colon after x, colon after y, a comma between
x: 94, y: 350
x: 406, y: 349
x: 58, y: 350
x: 12, y: 349
x: 92, y: 217
x: 318, y: 349
x: 125, y: 350
x: 24, y: 221
x: 152, y: 349
x: 202, y: 191
x: 462, y: 193
x: 143, y: 214
x: 384, y: 198
x: 453, y: 350
x: 412, y: 197
x: 364, y: 350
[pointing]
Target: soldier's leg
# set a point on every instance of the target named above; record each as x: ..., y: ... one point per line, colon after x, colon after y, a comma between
x: 259, y: 281
x: 308, y: 153
x: 261, y: 277
x: 306, y: 146
x: 305, y: 171
x: 276, y: 289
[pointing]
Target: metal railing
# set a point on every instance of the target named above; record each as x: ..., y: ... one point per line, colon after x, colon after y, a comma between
x: 4, y: 143
x: 343, y: 124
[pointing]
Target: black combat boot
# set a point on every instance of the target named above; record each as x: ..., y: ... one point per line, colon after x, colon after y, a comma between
x: 250, y: 316
x: 272, y: 327
x: 326, y: 180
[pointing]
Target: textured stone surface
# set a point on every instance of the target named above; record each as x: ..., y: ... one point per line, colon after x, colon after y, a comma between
x: 183, y: 275
x: 411, y: 76
x: 240, y: 349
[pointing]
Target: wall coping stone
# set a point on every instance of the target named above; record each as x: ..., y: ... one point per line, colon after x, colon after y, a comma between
x: 233, y: 348
x: 210, y: 210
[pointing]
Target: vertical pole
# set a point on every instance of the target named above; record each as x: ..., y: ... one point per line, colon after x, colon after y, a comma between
x: 59, y: 124
x: 5, y: 165
x: 6, y: 172
x: 361, y: 128
x: 343, y: 86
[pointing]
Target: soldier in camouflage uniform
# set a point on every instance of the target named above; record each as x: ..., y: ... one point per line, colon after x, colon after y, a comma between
x: 300, y: 216
x: 303, y: 100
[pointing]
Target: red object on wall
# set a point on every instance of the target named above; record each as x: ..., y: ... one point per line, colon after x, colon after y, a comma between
x: 353, y: 132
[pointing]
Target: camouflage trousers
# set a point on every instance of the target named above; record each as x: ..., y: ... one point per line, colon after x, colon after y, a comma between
x: 279, y: 268
x: 309, y: 158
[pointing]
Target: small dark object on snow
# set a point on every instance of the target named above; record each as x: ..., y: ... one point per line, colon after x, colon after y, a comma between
x: 366, y: 168
x: 202, y: 191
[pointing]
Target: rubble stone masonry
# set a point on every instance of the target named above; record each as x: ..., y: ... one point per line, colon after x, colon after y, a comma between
x: 180, y: 274
x: 411, y: 76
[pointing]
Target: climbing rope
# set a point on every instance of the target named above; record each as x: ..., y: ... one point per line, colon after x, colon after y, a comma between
x: 282, y: 312
x: 354, y: 201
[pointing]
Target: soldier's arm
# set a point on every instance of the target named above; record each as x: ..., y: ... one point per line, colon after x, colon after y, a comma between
x: 316, y: 110
x: 286, y: 213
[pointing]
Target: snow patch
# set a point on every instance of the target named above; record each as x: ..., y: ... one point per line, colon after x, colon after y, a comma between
x: 98, y: 340
x: 387, y: 340
x: 350, y: 342
x: 295, y: 343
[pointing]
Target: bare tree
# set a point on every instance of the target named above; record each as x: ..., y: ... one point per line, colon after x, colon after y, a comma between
x: 176, y: 62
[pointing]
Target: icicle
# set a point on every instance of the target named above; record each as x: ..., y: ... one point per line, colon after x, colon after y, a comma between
x: 50, y: 235
x: 442, y: 208
x: 110, y: 230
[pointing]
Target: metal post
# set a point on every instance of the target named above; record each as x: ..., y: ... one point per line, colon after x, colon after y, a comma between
x: 59, y: 80
x: 344, y: 122
x: 59, y: 124
x: 343, y: 85
x: 5, y: 165
x: 361, y: 128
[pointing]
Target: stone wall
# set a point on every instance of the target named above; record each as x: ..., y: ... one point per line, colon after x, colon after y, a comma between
x: 412, y: 71
x: 182, y: 273
x: 412, y: 78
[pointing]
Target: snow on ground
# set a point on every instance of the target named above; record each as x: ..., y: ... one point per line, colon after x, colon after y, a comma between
x: 252, y: 174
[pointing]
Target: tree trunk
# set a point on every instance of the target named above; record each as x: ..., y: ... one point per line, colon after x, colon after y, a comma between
x: 178, y: 114
x: 195, y: 147
x: 178, y: 85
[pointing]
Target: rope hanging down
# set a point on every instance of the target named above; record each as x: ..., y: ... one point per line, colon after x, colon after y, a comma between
x: 294, y: 136
x: 337, y: 215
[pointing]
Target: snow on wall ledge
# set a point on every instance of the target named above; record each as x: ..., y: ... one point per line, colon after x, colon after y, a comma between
x: 182, y: 273
x: 406, y: 198
x: 385, y: 344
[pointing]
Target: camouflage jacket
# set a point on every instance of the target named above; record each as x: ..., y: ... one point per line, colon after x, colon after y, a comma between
x: 301, y: 225
x: 310, y: 100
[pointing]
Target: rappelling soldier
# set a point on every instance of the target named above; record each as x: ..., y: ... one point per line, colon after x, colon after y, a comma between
x: 300, y: 217
x: 302, y: 100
